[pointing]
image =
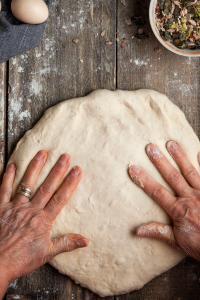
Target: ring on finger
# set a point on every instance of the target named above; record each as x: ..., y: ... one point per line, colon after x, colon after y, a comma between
x: 25, y: 191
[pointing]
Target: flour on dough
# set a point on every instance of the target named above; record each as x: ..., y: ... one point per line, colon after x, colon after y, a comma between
x: 103, y: 133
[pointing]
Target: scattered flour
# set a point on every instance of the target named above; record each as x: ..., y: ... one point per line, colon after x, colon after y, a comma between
x: 15, y: 110
x: 186, y: 88
x: 35, y: 87
x: 23, y: 115
x: 15, y: 107
x: 38, y: 55
x: 13, y: 284
x: 49, y: 44
x: 20, y: 69
x: 140, y: 63
x: 14, y: 60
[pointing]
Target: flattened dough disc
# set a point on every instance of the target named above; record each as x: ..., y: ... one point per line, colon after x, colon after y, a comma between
x: 103, y: 133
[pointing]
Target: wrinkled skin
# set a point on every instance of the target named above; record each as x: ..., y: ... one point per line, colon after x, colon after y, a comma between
x: 184, y: 208
x: 25, y: 227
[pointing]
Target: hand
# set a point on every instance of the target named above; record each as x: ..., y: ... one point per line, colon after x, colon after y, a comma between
x: 184, y: 209
x: 25, y: 227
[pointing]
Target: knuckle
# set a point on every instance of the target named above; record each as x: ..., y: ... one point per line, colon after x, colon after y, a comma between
x: 191, y: 172
x: 45, y: 190
x: 159, y: 192
x: 34, y: 223
x: 26, y: 184
x: 174, y: 177
x: 179, y: 210
x: 59, y: 199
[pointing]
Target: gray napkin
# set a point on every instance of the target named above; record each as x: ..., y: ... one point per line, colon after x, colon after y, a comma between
x: 15, y: 36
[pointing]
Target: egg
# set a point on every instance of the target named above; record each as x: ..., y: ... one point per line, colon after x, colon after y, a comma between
x: 30, y: 11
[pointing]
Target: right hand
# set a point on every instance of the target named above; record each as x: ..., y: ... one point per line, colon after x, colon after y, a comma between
x: 183, y: 208
x: 25, y: 227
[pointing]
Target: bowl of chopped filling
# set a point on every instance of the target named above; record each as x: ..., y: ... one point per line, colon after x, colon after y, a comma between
x: 176, y: 24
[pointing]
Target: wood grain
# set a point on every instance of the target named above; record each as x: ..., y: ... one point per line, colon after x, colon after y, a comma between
x: 3, y: 96
x: 140, y: 67
x: 57, y: 70
x: 60, y: 69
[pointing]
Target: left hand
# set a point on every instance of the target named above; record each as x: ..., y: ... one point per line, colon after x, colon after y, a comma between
x: 25, y: 227
x: 184, y: 208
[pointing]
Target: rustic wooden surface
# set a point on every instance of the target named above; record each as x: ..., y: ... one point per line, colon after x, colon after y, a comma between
x: 3, y: 98
x: 59, y: 69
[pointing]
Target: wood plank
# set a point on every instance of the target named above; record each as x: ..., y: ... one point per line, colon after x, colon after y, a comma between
x: 19, y: 297
x: 139, y: 66
x: 3, y: 93
x: 60, y: 69
x: 57, y: 70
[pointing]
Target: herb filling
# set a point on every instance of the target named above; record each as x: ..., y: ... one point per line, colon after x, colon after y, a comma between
x: 178, y: 22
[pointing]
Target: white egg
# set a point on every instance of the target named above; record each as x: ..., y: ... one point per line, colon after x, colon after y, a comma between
x: 30, y: 11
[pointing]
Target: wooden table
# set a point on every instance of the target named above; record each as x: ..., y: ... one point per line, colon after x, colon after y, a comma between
x: 60, y: 69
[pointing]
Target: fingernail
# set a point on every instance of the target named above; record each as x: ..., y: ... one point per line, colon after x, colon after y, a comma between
x: 40, y: 155
x: 148, y: 148
x: 134, y: 170
x: 141, y: 231
x: 82, y: 242
x: 152, y: 150
x: 11, y: 167
x: 64, y: 159
x: 172, y: 146
x: 76, y: 171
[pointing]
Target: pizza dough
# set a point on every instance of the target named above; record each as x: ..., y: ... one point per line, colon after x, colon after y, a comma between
x: 103, y: 133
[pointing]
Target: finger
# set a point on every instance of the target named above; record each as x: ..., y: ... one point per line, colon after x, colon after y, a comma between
x: 52, y: 181
x: 68, y: 242
x: 171, y: 174
x: 63, y: 194
x: 198, y: 157
x: 160, y: 194
x: 31, y: 175
x: 7, y: 183
x: 188, y: 170
x: 158, y: 231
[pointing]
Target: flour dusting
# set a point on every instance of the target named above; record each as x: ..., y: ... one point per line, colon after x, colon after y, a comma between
x: 23, y: 115
x: 49, y: 44
x: 140, y: 63
x: 16, y: 112
x: 20, y: 69
x: 13, y: 284
x: 15, y: 107
x: 36, y: 87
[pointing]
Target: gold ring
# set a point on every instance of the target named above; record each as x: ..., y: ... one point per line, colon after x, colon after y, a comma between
x: 24, y: 191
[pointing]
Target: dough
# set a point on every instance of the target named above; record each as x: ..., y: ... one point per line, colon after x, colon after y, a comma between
x: 103, y: 133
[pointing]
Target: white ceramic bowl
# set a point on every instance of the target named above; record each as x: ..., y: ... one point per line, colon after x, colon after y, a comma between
x: 169, y: 46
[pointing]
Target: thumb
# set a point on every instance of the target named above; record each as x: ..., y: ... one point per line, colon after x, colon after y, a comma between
x: 158, y: 231
x: 68, y: 242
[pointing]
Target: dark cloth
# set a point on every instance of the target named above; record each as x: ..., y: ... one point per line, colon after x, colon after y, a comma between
x: 15, y: 36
